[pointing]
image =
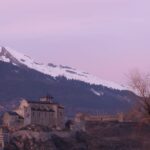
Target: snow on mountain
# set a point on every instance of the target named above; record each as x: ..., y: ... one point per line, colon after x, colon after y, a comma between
x: 98, y: 93
x: 11, y: 56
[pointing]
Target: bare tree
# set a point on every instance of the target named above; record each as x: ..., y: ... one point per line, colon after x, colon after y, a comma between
x: 140, y: 83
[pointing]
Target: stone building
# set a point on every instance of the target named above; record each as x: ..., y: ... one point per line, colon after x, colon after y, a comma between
x: 2, y: 143
x: 4, y: 137
x: 12, y: 120
x: 81, y: 120
x: 44, y: 112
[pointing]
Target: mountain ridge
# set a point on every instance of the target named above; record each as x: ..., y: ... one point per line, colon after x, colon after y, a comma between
x: 11, y: 56
x: 19, y: 81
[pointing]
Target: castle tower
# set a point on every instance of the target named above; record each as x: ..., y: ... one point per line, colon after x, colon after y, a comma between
x: 47, y: 98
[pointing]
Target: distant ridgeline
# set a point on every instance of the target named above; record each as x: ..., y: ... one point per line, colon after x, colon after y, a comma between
x: 20, y: 81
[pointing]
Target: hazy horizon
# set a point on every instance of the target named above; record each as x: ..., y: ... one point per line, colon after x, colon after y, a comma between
x: 106, y: 38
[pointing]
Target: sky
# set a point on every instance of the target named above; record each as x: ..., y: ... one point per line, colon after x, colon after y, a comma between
x: 107, y: 38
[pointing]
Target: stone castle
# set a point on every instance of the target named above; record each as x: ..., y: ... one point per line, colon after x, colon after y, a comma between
x: 44, y: 112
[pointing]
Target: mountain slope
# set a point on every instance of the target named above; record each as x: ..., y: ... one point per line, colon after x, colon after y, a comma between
x: 18, y: 80
x: 15, y: 58
x: 17, y: 83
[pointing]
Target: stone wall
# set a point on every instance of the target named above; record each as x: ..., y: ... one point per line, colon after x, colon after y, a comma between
x: 88, y: 117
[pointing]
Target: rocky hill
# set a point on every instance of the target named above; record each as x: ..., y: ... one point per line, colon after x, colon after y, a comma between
x: 98, y: 136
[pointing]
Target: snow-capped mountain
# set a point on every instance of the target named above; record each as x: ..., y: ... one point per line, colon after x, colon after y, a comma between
x: 23, y: 78
x: 11, y: 56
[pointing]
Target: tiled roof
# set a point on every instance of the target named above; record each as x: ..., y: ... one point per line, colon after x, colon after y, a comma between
x: 46, y: 102
x: 12, y: 113
x: 43, y: 102
x: 60, y: 107
x: 39, y: 109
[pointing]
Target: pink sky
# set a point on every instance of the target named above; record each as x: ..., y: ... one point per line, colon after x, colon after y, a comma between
x: 107, y: 38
